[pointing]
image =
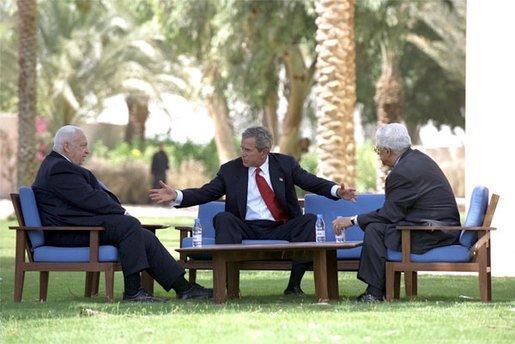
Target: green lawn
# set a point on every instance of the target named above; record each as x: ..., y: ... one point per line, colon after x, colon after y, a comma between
x: 447, y: 310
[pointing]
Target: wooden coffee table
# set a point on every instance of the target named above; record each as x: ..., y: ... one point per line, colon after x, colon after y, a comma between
x: 226, y: 276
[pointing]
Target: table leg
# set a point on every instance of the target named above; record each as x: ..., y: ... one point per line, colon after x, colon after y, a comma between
x: 320, y: 274
x: 233, y: 280
x: 332, y: 274
x: 219, y: 278
x: 147, y: 282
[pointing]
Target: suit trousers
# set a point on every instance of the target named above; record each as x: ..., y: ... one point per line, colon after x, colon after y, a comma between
x: 373, y: 256
x: 230, y: 229
x: 138, y: 248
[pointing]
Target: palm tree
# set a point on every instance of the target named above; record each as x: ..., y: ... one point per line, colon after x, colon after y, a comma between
x: 92, y: 52
x: 447, y: 19
x: 336, y: 91
x: 27, y: 91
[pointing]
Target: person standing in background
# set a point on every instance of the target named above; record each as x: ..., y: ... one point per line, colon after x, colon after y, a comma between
x: 159, y: 166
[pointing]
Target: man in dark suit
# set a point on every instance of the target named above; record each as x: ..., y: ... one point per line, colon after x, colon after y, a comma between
x: 416, y: 193
x: 260, y: 198
x: 68, y: 194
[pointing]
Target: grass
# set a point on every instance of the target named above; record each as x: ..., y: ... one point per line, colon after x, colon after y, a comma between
x: 447, y: 310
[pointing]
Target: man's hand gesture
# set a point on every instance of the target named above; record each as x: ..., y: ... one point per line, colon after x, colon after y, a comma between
x: 162, y: 195
x: 348, y: 194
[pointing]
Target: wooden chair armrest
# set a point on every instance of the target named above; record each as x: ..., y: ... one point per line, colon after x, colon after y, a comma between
x: 154, y: 226
x: 444, y: 228
x: 56, y: 228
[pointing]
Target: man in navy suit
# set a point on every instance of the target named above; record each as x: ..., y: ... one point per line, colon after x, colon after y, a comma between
x: 260, y: 198
x: 68, y: 194
x: 416, y: 193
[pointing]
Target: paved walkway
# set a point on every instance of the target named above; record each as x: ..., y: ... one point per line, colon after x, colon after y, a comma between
x: 6, y: 209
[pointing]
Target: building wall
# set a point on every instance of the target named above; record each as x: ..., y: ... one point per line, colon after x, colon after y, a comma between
x: 490, y: 117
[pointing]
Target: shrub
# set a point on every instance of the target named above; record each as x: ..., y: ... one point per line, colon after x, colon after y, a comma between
x: 129, y: 180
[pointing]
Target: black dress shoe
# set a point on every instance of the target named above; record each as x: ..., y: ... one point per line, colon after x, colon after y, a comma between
x: 196, y: 292
x: 293, y: 291
x: 369, y: 298
x: 142, y: 296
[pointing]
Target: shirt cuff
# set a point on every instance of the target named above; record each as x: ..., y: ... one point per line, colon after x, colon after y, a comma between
x: 334, y: 190
x: 355, y: 219
x: 178, y: 199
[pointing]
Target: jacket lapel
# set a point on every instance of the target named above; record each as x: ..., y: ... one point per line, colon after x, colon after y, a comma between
x: 277, y: 179
x: 242, y: 183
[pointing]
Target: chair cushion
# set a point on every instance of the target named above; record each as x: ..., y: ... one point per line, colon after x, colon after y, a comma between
x: 452, y: 253
x: 31, y: 216
x: 349, y: 254
x: 206, y: 213
x: 475, y: 215
x: 315, y: 204
x: 107, y: 253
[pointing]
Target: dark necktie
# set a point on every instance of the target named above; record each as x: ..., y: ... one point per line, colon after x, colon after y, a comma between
x: 268, y: 196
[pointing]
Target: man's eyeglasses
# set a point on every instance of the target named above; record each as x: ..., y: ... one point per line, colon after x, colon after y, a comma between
x: 378, y: 149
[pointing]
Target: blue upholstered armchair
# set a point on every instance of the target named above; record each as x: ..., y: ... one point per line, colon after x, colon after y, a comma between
x: 471, y: 254
x: 30, y: 239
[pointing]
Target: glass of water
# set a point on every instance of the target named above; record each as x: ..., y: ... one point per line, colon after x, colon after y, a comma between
x: 341, y: 237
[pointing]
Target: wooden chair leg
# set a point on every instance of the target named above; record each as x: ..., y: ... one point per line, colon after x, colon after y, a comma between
x: 397, y: 285
x: 414, y: 283
x: 96, y: 282
x: 192, y: 275
x: 485, y: 278
x: 109, y: 275
x: 43, y: 285
x: 19, y: 278
x: 390, y: 281
x: 88, y: 286
x: 410, y: 279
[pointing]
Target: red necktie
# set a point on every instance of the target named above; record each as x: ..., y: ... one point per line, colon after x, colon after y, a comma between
x: 268, y: 196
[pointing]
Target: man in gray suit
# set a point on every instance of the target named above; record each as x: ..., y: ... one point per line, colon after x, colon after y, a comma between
x: 416, y: 193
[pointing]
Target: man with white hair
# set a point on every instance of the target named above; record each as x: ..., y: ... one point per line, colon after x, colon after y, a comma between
x: 68, y: 194
x: 416, y: 193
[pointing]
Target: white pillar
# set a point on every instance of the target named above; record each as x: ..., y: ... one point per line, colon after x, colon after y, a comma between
x: 490, y: 118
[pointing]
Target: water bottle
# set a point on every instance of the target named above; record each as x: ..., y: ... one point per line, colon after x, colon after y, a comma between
x: 197, y: 234
x: 320, y: 229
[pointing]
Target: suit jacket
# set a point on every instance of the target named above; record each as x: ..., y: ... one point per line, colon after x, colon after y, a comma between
x: 416, y: 193
x: 232, y: 181
x: 68, y: 194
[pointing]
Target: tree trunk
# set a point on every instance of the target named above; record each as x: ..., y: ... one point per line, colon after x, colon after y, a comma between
x: 389, y: 99
x: 270, y: 120
x: 300, y: 78
x: 336, y: 91
x: 224, y: 133
x: 218, y: 109
x: 270, y: 113
x: 138, y: 115
x: 27, y: 92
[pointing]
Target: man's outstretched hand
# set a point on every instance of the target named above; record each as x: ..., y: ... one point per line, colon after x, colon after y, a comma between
x: 162, y: 195
x: 348, y: 194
